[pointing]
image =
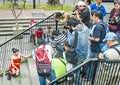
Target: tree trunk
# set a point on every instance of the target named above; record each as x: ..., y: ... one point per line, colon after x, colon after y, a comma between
x: 53, y: 2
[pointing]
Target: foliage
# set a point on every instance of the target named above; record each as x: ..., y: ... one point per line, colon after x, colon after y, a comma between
x: 44, y: 7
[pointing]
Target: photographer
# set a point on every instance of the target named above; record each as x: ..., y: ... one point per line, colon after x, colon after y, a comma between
x: 83, y: 13
x: 62, y: 17
x: 114, y: 19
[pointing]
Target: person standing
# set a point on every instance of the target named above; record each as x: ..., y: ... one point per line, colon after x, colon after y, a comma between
x: 83, y: 13
x: 97, y: 6
x: 49, y: 52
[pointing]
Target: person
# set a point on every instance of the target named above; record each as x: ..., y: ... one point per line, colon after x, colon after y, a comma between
x: 83, y: 13
x: 49, y: 34
x: 32, y: 31
x: 88, y: 2
x: 39, y: 34
x: 58, y: 42
x: 97, y: 6
x: 62, y: 17
x: 112, y: 53
x: 15, y: 63
x: 49, y: 51
x: 114, y: 16
x: 97, y: 34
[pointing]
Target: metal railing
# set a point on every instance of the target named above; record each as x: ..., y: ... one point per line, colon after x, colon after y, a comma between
x: 21, y: 42
x: 97, y: 72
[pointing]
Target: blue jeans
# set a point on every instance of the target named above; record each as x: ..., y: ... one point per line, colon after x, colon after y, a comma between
x: 91, y: 67
x: 42, y: 80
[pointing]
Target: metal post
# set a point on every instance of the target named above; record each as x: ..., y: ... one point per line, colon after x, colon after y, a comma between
x: 34, y: 4
x: 56, y: 24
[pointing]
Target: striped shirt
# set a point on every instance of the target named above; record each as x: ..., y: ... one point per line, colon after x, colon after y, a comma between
x: 59, y: 40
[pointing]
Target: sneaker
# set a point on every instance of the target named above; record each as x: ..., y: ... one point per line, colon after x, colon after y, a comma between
x: 8, y: 76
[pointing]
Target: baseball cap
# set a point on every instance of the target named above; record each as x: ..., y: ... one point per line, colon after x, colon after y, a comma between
x: 81, y: 3
x: 111, y: 36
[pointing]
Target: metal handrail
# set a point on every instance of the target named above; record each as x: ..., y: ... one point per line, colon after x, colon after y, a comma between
x: 27, y: 30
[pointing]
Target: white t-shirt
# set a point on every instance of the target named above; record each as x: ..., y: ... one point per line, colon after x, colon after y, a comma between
x: 49, y: 51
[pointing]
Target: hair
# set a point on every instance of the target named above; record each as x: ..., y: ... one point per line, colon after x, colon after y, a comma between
x: 117, y: 2
x: 73, y: 22
x: 55, y: 33
x: 98, y: 14
x: 15, y: 50
x: 41, y: 41
x: 40, y: 29
x: 89, y: 1
x: 92, y: 12
x: 49, y: 27
x: 58, y: 14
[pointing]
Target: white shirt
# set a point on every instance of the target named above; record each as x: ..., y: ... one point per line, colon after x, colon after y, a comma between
x: 49, y: 51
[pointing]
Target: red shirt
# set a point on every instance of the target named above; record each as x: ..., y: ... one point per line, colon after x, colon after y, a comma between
x: 39, y: 34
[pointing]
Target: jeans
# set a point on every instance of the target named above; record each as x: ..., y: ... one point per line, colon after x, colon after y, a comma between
x: 42, y: 80
x: 91, y: 67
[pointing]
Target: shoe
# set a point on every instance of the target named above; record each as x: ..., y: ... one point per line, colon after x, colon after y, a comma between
x: 8, y: 76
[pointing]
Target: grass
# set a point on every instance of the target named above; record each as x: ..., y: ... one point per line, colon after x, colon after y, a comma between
x: 38, y: 6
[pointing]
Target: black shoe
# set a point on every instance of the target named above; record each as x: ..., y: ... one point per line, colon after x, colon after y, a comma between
x: 8, y: 76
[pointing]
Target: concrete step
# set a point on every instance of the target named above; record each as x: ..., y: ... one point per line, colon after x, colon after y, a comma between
x: 25, y: 74
x: 33, y: 72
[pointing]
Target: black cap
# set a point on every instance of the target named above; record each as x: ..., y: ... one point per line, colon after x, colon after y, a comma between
x: 73, y: 22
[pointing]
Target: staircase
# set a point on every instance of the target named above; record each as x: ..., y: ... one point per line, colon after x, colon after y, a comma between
x: 28, y: 75
x: 6, y: 25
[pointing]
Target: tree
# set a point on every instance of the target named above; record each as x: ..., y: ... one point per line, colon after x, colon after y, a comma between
x: 13, y: 4
x: 53, y: 2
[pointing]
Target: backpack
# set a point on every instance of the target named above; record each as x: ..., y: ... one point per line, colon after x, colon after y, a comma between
x: 42, y: 62
x: 103, y: 45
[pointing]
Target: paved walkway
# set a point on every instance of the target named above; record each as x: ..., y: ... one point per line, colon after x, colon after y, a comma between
x: 6, y: 14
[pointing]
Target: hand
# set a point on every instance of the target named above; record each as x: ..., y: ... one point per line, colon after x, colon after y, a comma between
x: 101, y: 56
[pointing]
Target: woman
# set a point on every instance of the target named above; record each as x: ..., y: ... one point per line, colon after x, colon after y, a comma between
x: 114, y: 19
x: 15, y: 63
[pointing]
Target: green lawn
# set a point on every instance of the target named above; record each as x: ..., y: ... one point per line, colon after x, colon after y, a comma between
x: 44, y: 7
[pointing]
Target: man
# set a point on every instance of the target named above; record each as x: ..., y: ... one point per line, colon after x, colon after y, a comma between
x: 39, y: 34
x: 83, y: 13
x: 62, y: 17
x: 97, y: 34
x: 110, y: 68
x: 111, y: 40
x: 97, y: 6
x: 49, y: 52
x: 81, y: 42
x: 58, y: 42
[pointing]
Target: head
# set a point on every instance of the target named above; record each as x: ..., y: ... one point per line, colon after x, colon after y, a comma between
x: 15, y: 51
x: 117, y: 5
x: 72, y: 23
x: 81, y: 5
x: 87, y: 2
x: 58, y: 15
x: 41, y: 42
x: 92, y: 13
x: 55, y: 34
x: 31, y: 21
x: 98, y: 2
x: 40, y: 29
x: 111, y: 39
x: 97, y: 16
x: 67, y: 46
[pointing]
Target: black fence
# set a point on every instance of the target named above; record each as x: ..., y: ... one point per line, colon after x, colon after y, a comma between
x: 92, y: 72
